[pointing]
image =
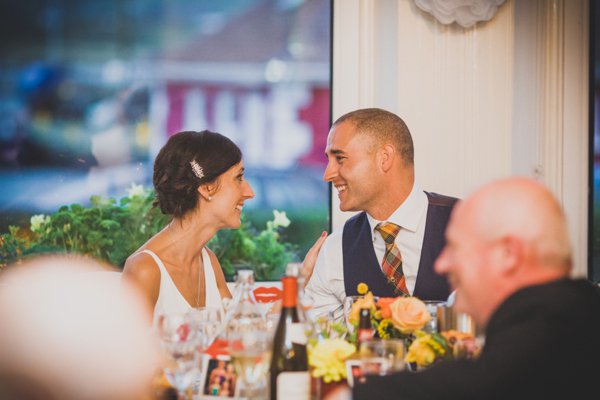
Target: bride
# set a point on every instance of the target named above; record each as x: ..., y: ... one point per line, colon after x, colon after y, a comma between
x: 199, y: 180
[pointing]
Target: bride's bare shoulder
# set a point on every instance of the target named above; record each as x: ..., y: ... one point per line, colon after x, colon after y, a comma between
x: 141, y: 265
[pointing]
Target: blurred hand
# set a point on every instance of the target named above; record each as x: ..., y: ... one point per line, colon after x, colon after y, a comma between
x: 339, y: 393
x: 311, y: 258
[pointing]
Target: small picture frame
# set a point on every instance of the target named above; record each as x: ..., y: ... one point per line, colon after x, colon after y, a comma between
x: 219, y: 379
x: 354, y: 371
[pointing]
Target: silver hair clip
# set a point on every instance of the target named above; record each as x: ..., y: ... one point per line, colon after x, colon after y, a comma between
x: 198, y: 171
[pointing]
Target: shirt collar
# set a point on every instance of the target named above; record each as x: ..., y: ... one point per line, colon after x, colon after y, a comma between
x: 409, y: 214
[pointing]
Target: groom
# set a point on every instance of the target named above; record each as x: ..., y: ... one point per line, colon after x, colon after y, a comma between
x: 392, y: 243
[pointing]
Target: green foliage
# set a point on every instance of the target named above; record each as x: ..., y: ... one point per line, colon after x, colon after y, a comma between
x: 104, y: 231
x: 12, y: 246
x: 263, y: 251
x: 111, y: 232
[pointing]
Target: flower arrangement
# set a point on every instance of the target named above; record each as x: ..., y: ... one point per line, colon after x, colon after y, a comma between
x: 404, y: 318
x: 391, y: 317
x: 327, y: 359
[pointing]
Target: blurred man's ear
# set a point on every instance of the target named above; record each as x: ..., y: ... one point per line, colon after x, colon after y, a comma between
x: 511, y: 254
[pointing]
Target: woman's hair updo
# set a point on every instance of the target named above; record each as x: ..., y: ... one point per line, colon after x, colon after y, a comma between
x: 188, y: 160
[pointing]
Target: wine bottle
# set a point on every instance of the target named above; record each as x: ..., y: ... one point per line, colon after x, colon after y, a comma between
x: 304, y: 301
x: 289, y: 376
x: 365, y: 330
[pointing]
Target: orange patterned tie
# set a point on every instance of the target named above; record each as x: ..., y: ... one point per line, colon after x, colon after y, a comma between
x: 392, y: 262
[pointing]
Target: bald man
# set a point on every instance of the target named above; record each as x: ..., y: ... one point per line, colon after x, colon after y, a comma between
x: 508, y: 257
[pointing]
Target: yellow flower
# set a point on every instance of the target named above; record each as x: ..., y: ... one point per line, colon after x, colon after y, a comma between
x: 424, y: 349
x: 362, y: 288
x: 420, y: 351
x: 328, y: 357
x: 382, y: 328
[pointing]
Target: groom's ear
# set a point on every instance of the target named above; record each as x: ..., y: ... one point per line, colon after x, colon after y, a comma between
x: 385, y: 157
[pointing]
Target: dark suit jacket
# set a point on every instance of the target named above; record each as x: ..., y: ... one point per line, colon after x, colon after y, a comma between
x: 361, y: 264
x: 541, y: 343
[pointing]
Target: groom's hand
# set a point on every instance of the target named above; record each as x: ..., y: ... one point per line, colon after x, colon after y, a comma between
x: 311, y: 258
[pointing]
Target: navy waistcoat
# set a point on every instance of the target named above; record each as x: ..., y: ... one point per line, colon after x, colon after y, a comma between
x: 362, y: 265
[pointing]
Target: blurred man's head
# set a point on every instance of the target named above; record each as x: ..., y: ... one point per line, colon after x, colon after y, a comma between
x: 72, y: 331
x: 507, y: 235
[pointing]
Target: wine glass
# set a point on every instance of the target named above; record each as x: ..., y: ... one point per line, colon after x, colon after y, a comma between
x: 209, y: 322
x: 382, y: 357
x: 433, y: 306
x: 178, y: 337
x: 250, y: 352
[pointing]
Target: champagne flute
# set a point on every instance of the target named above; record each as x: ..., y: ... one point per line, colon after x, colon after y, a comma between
x: 178, y: 337
x: 250, y: 352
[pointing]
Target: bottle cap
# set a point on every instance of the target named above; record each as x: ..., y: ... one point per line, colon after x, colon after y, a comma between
x: 290, y: 291
x: 245, y: 276
x: 293, y: 269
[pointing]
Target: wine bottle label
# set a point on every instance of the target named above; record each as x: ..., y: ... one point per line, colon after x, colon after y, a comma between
x: 297, y: 332
x: 293, y: 386
x: 365, y: 334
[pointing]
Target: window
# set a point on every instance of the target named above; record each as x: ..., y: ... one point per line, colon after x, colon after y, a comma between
x: 90, y: 90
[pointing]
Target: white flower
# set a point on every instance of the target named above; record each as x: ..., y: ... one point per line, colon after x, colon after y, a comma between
x: 280, y: 219
x: 37, y: 221
x: 136, y: 190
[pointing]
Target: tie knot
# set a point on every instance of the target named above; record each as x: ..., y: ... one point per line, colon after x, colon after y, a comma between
x: 388, y: 231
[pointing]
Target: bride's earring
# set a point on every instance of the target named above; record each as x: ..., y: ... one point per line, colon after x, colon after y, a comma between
x: 209, y: 198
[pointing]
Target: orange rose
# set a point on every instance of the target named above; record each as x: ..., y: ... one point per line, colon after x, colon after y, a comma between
x: 384, y: 306
x: 409, y: 314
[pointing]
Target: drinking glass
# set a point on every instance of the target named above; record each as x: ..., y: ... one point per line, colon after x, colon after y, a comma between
x: 433, y: 306
x: 382, y: 356
x: 250, y: 352
x: 209, y: 321
x: 178, y: 337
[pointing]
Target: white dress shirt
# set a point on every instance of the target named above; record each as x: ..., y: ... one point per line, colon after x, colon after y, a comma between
x: 326, y: 285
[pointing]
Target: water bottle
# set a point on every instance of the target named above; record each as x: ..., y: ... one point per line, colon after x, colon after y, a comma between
x: 243, y: 312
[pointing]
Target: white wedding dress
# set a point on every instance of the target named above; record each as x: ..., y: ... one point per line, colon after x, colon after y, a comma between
x: 170, y: 299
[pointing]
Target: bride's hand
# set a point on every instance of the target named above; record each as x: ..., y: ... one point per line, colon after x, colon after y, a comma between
x: 311, y: 258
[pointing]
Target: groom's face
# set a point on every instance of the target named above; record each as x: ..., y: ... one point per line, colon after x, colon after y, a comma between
x: 351, y: 167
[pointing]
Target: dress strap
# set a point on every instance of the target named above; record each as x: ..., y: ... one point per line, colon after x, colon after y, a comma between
x: 158, y: 261
x: 213, y: 296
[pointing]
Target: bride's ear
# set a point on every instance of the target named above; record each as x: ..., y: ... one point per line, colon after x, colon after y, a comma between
x: 206, y: 191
